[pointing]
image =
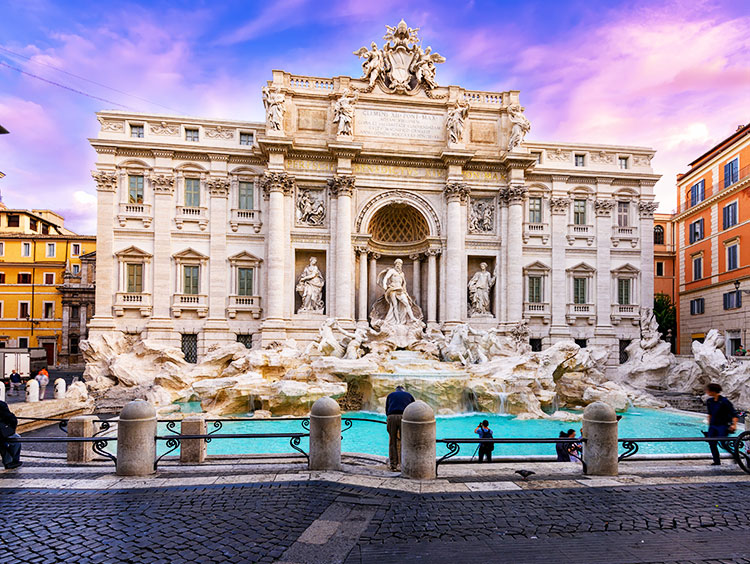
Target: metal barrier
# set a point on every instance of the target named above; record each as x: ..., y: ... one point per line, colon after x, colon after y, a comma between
x: 454, y: 447
x: 62, y: 423
x: 99, y: 443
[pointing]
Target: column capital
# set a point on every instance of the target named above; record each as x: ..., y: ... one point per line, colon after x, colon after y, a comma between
x: 516, y: 193
x: 456, y: 191
x: 105, y: 181
x: 218, y: 187
x: 162, y: 183
x: 433, y: 252
x: 604, y: 208
x: 374, y: 256
x: 415, y: 256
x: 341, y: 185
x: 277, y: 182
x: 362, y: 250
x: 559, y: 206
x: 647, y: 209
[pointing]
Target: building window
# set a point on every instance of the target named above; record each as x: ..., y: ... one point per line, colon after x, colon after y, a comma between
x: 190, y: 347
x: 697, y: 192
x: 75, y: 313
x: 24, y: 278
x: 245, y: 339
x: 246, y: 138
x: 135, y: 278
x: 23, y: 310
x: 536, y: 345
x: 660, y: 268
x: 535, y: 289
x: 135, y: 189
x: 697, y: 268
x: 658, y: 235
x: 76, y: 249
x: 48, y: 310
x: 191, y: 135
x: 580, y: 160
x: 733, y: 256
x: 623, y: 291
x: 623, y: 214
x: 192, y: 192
x: 191, y: 279
x: 732, y: 300
x: 14, y: 220
x: 580, y: 342
x: 49, y: 278
x: 25, y: 249
x: 74, y: 340
x: 76, y: 269
x: 730, y: 215
x: 23, y: 342
x: 245, y: 281
x: 623, y: 163
x: 246, y: 196
x: 579, y: 291
x: 579, y: 212
x: 697, y: 306
x: 2, y: 277
x: 45, y: 229
x: 624, y: 343
x: 696, y: 231
x: 535, y: 210
x: 33, y: 224
x: 136, y: 131
x: 51, y: 250
x: 731, y: 172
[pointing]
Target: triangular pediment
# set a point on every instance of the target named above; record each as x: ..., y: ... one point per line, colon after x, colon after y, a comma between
x: 626, y: 269
x: 189, y: 253
x: 536, y: 267
x: 132, y: 252
x: 244, y: 256
x: 581, y: 267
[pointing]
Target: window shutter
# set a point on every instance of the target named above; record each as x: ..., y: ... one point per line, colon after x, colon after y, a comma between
x: 739, y: 299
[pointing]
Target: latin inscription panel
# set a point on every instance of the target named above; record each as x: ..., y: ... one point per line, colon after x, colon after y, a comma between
x: 399, y: 125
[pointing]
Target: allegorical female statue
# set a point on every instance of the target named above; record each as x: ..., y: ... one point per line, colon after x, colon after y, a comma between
x: 310, y: 288
x: 479, y: 291
x: 273, y: 101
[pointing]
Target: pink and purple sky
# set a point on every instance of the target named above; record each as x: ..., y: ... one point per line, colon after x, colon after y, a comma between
x: 673, y: 75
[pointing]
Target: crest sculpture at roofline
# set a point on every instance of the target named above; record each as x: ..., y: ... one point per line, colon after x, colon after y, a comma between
x: 401, y: 66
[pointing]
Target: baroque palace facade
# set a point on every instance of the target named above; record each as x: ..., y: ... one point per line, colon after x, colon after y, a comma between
x: 207, y: 228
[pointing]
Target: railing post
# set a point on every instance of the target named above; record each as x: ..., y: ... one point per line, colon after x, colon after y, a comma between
x: 193, y: 451
x: 600, y: 446
x: 325, y: 435
x: 418, y: 446
x: 59, y: 388
x: 81, y: 426
x: 136, y: 439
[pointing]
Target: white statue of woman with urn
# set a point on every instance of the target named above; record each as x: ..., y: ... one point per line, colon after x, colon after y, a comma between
x: 310, y: 288
x: 479, y: 291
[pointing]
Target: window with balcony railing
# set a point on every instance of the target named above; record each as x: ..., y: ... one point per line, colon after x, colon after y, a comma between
x: 535, y: 210
x: 246, y: 196
x: 535, y: 289
x: 697, y: 192
x: 135, y: 189
x: 579, y: 212
x: 731, y: 172
x: 579, y: 290
x: 134, y: 278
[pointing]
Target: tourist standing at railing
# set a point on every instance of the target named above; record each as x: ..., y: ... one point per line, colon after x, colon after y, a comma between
x: 722, y: 418
x: 395, y: 404
x: 10, y: 452
x: 485, y: 449
x: 567, y: 452
x: 15, y: 383
x: 43, y: 378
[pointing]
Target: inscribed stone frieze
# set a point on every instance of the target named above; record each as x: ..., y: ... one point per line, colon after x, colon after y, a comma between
x: 400, y: 125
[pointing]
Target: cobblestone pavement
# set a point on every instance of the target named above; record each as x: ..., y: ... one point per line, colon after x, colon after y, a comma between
x: 317, y: 521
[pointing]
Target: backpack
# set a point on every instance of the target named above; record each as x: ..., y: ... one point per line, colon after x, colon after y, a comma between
x: 486, y: 434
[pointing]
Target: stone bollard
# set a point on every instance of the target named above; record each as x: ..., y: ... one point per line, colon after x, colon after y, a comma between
x: 325, y: 435
x: 81, y: 426
x: 32, y: 391
x: 59, y: 388
x: 193, y: 451
x: 418, y: 442
x: 600, y: 432
x: 2, y: 391
x: 136, y: 443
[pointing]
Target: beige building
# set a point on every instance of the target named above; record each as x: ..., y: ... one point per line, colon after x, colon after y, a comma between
x: 207, y: 228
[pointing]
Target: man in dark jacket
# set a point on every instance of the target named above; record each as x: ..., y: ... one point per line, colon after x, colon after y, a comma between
x: 10, y: 452
x: 722, y: 418
x: 395, y: 404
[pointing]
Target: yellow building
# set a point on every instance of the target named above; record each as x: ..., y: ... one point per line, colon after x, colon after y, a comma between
x: 38, y: 259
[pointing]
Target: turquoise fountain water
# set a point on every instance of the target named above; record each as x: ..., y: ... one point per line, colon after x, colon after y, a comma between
x: 371, y: 438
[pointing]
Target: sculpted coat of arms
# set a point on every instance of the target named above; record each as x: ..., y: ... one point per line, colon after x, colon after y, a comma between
x: 401, y: 66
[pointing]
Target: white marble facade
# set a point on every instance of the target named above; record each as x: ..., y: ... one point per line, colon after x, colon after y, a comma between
x: 205, y: 227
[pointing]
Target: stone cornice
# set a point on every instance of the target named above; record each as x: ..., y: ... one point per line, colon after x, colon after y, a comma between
x: 345, y: 150
x: 519, y: 161
x: 342, y: 185
x: 162, y: 153
x: 275, y: 145
x: 459, y: 158
x: 218, y: 157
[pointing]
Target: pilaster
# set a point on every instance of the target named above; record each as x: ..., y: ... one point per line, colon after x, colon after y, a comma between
x: 456, y: 195
x: 106, y: 187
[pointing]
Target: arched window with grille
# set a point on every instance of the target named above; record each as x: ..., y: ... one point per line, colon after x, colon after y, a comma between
x: 658, y: 235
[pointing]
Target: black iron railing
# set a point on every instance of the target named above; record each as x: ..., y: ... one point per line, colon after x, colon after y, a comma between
x: 99, y: 444
x: 454, y: 447
x: 61, y: 423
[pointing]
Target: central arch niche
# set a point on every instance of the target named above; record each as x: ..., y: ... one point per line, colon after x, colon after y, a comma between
x: 398, y: 223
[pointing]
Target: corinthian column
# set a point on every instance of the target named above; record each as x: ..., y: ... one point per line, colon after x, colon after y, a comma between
x: 362, y: 309
x: 432, y: 286
x: 456, y: 193
x: 516, y: 195
x: 106, y: 187
x: 342, y: 187
x: 275, y: 186
x: 416, y: 284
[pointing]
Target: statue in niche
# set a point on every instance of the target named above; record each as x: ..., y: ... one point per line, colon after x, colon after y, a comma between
x: 481, y: 216
x: 310, y: 288
x: 395, y: 318
x: 343, y: 112
x: 479, y: 291
x: 310, y: 210
x: 521, y: 126
x: 400, y: 303
x: 455, y: 122
x: 273, y: 101
x: 374, y: 63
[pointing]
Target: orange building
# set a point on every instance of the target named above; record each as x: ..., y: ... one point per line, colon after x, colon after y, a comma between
x: 713, y: 243
x: 664, y: 255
